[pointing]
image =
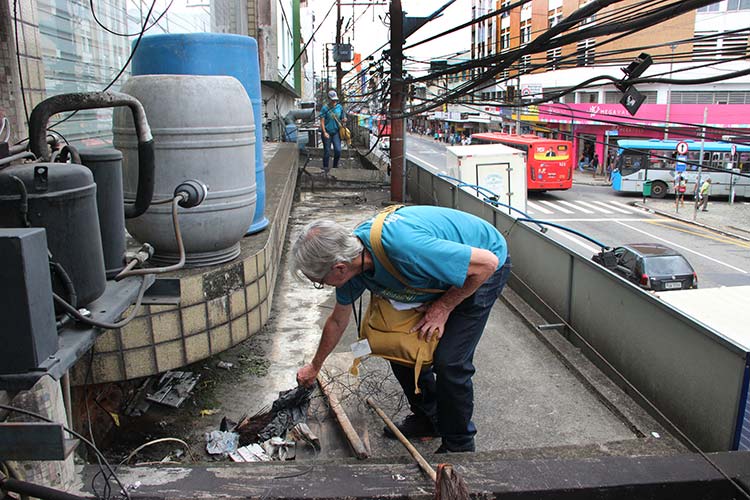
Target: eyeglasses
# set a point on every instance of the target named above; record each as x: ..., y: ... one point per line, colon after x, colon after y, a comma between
x: 319, y: 285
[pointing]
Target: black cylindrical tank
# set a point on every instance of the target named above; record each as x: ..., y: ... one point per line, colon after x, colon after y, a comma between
x: 61, y: 198
x: 106, y: 165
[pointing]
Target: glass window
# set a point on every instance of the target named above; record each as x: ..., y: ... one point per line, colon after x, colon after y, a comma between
x: 628, y: 260
x: 668, y: 264
x: 80, y: 56
x: 738, y: 4
x: 714, y: 7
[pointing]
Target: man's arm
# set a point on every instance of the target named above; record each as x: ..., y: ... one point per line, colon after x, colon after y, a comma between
x: 482, y: 265
x: 323, y: 126
x: 332, y: 333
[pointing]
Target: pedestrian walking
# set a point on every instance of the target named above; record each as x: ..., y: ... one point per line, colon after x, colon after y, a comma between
x: 332, y: 116
x: 680, y: 187
x: 401, y: 256
x: 703, y: 195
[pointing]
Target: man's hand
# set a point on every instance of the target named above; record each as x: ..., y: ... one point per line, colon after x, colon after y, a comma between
x: 481, y: 266
x: 433, y: 322
x: 306, y: 375
x: 325, y: 134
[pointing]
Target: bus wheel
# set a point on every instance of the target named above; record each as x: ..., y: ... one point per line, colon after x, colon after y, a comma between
x: 658, y: 189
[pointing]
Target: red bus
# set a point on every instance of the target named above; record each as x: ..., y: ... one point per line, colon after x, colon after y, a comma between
x: 549, y: 167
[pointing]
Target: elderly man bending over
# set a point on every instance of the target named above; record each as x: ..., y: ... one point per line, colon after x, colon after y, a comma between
x: 433, y: 248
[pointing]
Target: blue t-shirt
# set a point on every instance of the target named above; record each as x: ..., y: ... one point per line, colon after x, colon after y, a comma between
x: 429, y: 246
x: 327, y: 113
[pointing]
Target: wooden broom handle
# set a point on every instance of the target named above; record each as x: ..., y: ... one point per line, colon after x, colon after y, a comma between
x: 426, y: 467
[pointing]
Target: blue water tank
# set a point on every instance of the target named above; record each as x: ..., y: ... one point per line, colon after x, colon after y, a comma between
x: 290, y: 133
x: 212, y: 54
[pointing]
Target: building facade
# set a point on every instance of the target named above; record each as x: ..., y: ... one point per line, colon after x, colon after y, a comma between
x: 49, y: 47
x: 708, y: 42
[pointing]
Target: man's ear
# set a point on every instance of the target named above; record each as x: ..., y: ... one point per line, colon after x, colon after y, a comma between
x: 339, y: 267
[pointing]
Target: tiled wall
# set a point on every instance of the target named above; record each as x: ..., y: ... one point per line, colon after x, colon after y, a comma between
x: 31, y: 67
x: 218, y: 309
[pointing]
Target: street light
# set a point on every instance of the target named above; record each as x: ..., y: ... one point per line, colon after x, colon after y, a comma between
x: 672, y: 46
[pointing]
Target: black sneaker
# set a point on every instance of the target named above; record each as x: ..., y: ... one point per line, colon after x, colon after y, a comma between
x: 413, y: 426
x: 444, y: 449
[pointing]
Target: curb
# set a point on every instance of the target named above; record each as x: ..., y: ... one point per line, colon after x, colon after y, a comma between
x: 592, y: 183
x: 688, y: 221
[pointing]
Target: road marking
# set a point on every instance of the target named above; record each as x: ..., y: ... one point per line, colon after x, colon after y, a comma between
x: 538, y: 208
x: 684, y: 248
x: 594, y: 207
x: 556, y: 207
x: 576, y: 207
x: 611, y: 206
x: 628, y: 207
x: 708, y: 235
x: 576, y: 240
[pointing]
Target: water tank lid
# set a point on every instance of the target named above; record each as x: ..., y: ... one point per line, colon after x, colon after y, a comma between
x: 60, y: 177
x: 100, y: 154
x: 199, y: 39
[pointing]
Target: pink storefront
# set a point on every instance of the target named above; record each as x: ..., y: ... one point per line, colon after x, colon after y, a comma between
x: 598, y: 127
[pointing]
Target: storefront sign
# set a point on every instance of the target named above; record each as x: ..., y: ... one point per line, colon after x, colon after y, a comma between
x: 719, y: 115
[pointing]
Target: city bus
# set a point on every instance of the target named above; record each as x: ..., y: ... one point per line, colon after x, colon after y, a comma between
x: 549, y: 162
x: 656, y: 160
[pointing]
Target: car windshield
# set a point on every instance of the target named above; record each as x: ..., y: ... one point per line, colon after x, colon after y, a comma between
x: 667, y: 264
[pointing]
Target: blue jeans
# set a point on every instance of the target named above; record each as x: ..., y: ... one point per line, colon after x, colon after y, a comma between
x: 447, y: 396
x: 334, y: 139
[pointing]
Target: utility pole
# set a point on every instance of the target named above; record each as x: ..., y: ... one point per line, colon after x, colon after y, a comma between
x: 337, y: 53
x: 396, y: 107
x: 519, y: 103
x: 328, y: 73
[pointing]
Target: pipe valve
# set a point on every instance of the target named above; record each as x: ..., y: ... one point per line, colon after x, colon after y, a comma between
x: 192, y: 192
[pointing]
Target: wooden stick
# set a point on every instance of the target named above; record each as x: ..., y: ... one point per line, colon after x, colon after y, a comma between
x: 425, y: 466
x: 343, y: 419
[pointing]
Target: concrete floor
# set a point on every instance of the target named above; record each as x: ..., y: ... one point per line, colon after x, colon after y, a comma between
x: 526, y: 398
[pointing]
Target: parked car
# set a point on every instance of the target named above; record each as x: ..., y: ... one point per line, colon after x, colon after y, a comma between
x: 650, y: 265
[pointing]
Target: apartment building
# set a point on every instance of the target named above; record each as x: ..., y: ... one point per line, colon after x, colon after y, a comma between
x: 710, y: 41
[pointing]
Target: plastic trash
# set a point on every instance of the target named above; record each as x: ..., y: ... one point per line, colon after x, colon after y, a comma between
x: 221, y: 442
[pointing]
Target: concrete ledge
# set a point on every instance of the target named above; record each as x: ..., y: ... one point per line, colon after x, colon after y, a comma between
x: 682, y: 476
x: 217, y: 307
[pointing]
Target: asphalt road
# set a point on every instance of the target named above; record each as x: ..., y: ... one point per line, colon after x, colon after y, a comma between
x: 609, y: 218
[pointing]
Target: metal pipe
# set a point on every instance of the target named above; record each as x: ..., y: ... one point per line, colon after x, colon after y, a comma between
x: 94, y: 100
x: 18, y: 156
x: 20, y: 148
x: 180, y: 248
x: 65, y: 382
x: 35, y: 490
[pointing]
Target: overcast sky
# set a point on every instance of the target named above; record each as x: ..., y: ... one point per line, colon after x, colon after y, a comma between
x: 369, y: 32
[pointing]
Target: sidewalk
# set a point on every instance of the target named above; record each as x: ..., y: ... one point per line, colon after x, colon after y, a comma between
x: 733, y: 220
x: 587, y: 178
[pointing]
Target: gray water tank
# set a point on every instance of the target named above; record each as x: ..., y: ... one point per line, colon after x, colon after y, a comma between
x: 203, y: 129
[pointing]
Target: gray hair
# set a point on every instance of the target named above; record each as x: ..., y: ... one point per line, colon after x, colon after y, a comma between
x: 322, y: 244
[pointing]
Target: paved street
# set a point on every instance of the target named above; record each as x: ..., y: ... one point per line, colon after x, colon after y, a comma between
x: 594, y: 209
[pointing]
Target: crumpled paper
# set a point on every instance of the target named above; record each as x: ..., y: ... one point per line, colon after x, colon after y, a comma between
x: 221, y: 442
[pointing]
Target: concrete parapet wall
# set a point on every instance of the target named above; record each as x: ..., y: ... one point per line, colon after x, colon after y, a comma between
x: 692, y: 374
x: 218, y: 306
